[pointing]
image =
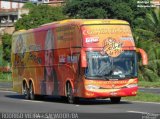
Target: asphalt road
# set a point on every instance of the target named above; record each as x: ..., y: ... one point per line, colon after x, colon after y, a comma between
x: 6, y: 85
x: 87, y: 109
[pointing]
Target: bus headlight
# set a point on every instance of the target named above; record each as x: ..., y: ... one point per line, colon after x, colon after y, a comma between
x: 90, y: 87
x: 131, y: 85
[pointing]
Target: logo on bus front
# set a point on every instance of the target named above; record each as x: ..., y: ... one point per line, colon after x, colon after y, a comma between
x: 112, y: 47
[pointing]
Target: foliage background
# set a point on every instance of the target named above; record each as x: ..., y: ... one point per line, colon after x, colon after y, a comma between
x: 39, y: 15
x: 145, y: 24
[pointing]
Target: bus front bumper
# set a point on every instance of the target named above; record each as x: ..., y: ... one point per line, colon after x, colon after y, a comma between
x: 106, y: 93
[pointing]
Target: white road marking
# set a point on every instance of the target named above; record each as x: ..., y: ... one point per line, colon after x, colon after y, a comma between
x: 32, y: 101
x: 137, y: 112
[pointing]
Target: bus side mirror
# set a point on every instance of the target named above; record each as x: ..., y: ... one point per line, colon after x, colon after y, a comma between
x: 83, y: 59
x: 143, y: 55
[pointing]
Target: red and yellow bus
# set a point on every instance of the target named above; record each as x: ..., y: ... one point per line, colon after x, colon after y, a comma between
x: 76, y: 58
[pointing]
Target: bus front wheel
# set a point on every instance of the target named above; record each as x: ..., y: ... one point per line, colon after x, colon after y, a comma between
x: 115, y: 100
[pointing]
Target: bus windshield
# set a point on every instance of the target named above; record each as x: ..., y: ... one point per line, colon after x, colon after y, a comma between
x: 106, y: 67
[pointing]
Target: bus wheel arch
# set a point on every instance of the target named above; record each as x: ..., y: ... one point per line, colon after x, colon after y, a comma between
x: 25, y: 89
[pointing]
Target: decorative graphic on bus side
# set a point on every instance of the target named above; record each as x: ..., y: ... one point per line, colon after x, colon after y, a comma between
x: 20, y: 45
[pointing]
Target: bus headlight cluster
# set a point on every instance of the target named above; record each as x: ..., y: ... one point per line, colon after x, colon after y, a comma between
x: 131, y: 85
x: 92, y: 87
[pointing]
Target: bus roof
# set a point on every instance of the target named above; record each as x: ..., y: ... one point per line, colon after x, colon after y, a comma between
x: 88, y: 21
x: 74, y: 21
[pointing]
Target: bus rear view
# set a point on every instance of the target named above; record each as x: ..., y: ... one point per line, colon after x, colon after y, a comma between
x: 109, y: 57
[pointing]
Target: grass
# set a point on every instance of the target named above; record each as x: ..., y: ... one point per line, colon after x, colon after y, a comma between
x: 5, y: 77
x: 146, y: 97
x: 148, y: 84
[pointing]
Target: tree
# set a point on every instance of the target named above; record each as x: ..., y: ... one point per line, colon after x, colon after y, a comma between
x: 148, y: 38
x: 112, y: 9
x: 152, y: 23
x: 123, y: 11
x: 149, y: 27
x: 86, y: 8
x: 151, y: 72
x: 39, y: 15
x: 6, y: 44
x: 93, y: 13
x: 29, y: 5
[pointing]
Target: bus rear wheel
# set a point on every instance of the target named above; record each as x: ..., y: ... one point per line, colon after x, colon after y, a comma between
x: 25, y: 91
x: 31, y: 92
x: 115, y: 100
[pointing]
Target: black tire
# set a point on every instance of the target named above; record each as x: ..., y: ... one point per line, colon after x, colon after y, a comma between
x: 31, y: 92
x: 70, y: 97
x: 115, y: 100
x: 25, y: 91
x: 64, y: 98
